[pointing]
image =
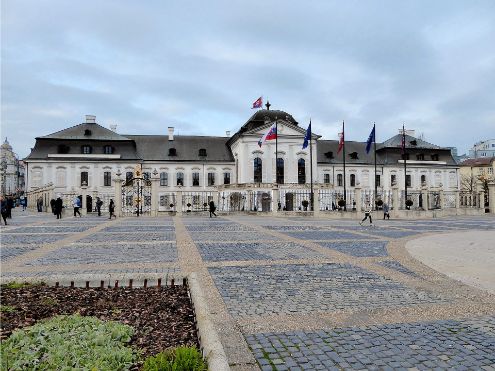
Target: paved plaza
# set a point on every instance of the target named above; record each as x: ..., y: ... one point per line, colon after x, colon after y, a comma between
x: 287, y: 293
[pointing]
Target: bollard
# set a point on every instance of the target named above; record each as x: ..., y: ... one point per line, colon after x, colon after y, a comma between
x: 87, y: 284
x: 56, y: 284
x: 72, y: 284
x: 172, y: 283
x: 184, y: 282
x: 145, y: 283
x: 130, y: 283
x: 102, y: 284
x: 159, y: 282
x: 117, y: 284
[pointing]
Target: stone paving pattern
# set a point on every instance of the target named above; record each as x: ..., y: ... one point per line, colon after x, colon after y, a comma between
x: 285, y: 293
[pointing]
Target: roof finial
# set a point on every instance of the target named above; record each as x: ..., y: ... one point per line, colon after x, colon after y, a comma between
x: 267, y: 105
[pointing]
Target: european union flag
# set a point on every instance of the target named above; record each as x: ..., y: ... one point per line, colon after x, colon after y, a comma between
x: 307, y: 137
x: 371, y: 139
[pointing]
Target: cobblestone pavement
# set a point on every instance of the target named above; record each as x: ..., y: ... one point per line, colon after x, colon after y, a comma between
x: 284, y: 293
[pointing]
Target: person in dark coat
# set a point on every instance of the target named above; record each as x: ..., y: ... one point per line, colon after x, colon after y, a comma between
x: 10, y: 206
x: 111, y: 209
x: 386, y: 213
x: 39, y: 204
x: 58, y: 207
x: 52, y: 205
x: 212, y: 208
x: 3, y: 209
x: 99, y: 204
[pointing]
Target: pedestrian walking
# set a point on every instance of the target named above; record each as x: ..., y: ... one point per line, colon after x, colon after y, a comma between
x: 10, y: 206
x: 111, y: 209
x: 367, y: 214
x: 3, y: 209
x: 212, y: 208
x: 39, y: 204
x: 386, y: 214
x: 77, y: 204
x: 99, y: 204
x: 59, y: 205
x: 52, y: 205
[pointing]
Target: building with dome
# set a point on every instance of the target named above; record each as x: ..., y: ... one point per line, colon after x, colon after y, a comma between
x: 11, y: 171
x: 91, y: 159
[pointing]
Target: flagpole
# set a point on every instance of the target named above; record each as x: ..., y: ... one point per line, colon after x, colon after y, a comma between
x: 311, y: 164
x: 343, y: 159
x: 276, y: 151
x: 374, y: 147
x: 405, y: 163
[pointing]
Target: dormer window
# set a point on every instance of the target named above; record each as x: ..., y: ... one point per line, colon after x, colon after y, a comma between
x: 354, y: 155
x: 329, y: 154
x: 87, y: 132
x: 413, y: 142
x: 63, y: 149
x: 420, y: 157
x: 108, y: 150
x: 202, y: 152
x: 86, y: 150
x: 434, y: 157
x: 172, y: 152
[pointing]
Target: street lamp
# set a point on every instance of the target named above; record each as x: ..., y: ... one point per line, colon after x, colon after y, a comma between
x: 3, y: 168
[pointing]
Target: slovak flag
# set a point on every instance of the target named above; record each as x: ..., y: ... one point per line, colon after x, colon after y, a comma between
x: 258, y: 103
x: 269, y: 135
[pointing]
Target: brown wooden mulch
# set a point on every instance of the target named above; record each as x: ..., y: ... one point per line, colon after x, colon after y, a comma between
x: 161, y: 317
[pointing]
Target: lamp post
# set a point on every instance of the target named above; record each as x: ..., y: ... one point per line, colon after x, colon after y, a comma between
x: 3, y: 168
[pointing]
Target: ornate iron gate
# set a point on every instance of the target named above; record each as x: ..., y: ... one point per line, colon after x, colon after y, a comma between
x: 136, y: 197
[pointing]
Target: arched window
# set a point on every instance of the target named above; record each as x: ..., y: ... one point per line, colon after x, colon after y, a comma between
x: 423, y: 179
x: 353, y: 180
x: 258, y: 167
x: 339, y: 180
x: 280, y: 170
x: 301, y: 171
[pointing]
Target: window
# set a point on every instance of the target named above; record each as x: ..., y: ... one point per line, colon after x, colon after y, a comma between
x: 258, y: 167
x: 326, y: 178
x: 108, y: 150
x: 87, y: 132
x: 62, y: 149
x: 434, y: 157
x: 226, y: 178
x: 408, y: 180
x: 329, y: 155
x: 211, y: 179
x: 339, y: 180
x: 195, y: 179
x: 353, y: 180
x: 107, y: 178
x: 180, y: 179
x: 393, y: 179
x: 423, y: 180
x: 202, y: 152
x: 420, y: 157
x: 481, y: 171
x: 128, y: 177
x: 377, y: 180
x: 163, y: 179
x: 490, y: 170
x: 354, y: 155
x: 86, y: 150
x: 301, y: 171
x: 146, y: 175
x: 280, y: 170
x: 172, y: 152
x: 84, y: 178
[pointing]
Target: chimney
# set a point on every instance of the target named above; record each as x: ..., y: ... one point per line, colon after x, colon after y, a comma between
x: 170, y: 133
x: 113, y: 127
x: 227, y: 133
x: 90, y: 119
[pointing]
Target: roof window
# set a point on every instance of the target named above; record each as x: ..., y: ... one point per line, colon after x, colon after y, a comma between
x: 329, y: 154
x: 87, y: 133
x: 354, y: 155
x: 202, y: 152
x: 172, y: 152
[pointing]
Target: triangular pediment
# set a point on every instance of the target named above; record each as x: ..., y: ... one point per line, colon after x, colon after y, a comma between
x: 284, y: 128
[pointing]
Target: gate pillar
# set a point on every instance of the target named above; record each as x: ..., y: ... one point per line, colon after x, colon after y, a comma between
x: 118, y: 194
x: 154, y: 193
x: 491, y: 196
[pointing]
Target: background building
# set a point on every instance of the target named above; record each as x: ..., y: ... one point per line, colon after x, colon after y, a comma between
x: 485, y: 148
x: 11, y: 171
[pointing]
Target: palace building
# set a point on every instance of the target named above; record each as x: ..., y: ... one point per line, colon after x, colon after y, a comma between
x: 91, y: 158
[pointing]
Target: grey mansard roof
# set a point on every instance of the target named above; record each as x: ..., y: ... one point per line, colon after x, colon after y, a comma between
x: 156, y: 147
x: 396, y: 141
x: 98, y: 132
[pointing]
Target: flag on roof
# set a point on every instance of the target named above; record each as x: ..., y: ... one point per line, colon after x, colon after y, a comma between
x: 307, y: 137
x: 403, y: 145
x: 269, y: 135
x: 341, y: 139
x: 370, y: 140
x: 258, y: 103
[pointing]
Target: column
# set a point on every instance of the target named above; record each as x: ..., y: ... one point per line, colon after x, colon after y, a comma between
x: 358, y: 199
x: 442, y: 199
x: 395, y: 199
x: 275, y: 198
x: 491, y: 195
x: 457, y: 199
x: 84, y: 193
x: 178, y: 202
x: 117, y: 181
x: 154, y: 193
x: 424, y: 198
x: 316, y: 201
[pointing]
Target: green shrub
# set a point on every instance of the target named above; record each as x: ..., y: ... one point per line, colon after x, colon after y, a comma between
x: 69, y: 342
x: 7, y: 308
x: 19, y: 285
x: 178, y: 359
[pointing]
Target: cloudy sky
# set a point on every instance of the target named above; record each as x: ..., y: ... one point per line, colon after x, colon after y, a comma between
x: 199, y: 65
